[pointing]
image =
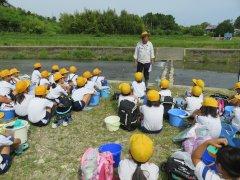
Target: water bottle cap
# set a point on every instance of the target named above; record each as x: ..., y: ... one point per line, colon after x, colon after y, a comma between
x: 212, y: 149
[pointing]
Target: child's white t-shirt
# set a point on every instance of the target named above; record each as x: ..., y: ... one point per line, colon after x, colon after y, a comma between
x: 78, y: 94
x: 22, y: 108
x: 90, y: 86
x: 127, y: 168
x: 44, y: 82
x: 36, y: 75
x: 5, y: 88
x: 37, y: 109
x: 212, y: 124
x: 56, y: 92
x: 236, y: 118
x: 193, y: 104
x: 51, y: 79
x: 73, y: 78
x: 152, y: 117
x: 139, y: 89
x: 165, y: 93
x: 129, y: 98
x: 97, y: 80
x: 204, y: 173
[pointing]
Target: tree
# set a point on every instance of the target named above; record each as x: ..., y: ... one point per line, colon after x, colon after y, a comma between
x: 224, y: 27
x: 237, y: 23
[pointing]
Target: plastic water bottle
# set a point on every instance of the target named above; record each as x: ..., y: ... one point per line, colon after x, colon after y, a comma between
x: 209, y: 157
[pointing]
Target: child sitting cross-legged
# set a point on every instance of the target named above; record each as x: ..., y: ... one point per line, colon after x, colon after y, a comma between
x: 138, y: 166
x: 139, y: 88
x: 40, y: 108
x: 152, y: 113
x: 81, y: 95
x: 126, y: 94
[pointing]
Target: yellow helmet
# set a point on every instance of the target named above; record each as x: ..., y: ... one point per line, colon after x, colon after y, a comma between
x: 237, y: 85
x: 125, y: 88
x: 37, y: 65
x: 21, y: 86
x: 144, y: 34
x: 96, y: 72
x: 41, y: 90
x: 164, y: 84
x: 153, y: 95
x: 196, y: 91
x: 57, y: 76
x: 141, y: 147
x: 5, y: 73
x: 14, y: 71
x: 63, y: 71
x: 199, y: 82
x: 138, y: 76
x: 73, y: 69
x: 45, y: 74
x: 81, y: 81
x: 210, y: 102
x: 1, y: 115
x: 55, y: 67
x: 87, y: 74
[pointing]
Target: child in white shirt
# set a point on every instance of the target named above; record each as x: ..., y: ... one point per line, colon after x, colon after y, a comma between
x: 39, y: 108
x: 194, y: 102
x: 14, y: 75
x: 98, y: 79
x: 44, y: 79
x: 55, y: 68
x: 126, y: 94
x: 165, y: 92
x: 36, y: 75
x: 6, y: 88
x: 141, y: 150
x: 22, y: 99
x: 81, y: 95
x: 197, y: 82
x: 90, y: 85
x: 72, y: 77
x: 152, y: 122
x: 139, y: 88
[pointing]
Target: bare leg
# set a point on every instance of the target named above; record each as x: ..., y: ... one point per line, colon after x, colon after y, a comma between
x: 86, y: 98
x: 5, y: 150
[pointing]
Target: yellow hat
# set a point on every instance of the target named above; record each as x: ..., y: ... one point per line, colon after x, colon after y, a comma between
x: 73, y: 69
x: 37, y: 65
x: 57, y: 76
x: 87, y: 74
x: 138, y: 76
x: 199, y: 82
x: 1, y: 115
x: 63, y: 71
x: 81, y: 81
x: 210, y: 102
x: 45, y: 74
x: 125, y: 88
x: 96, y: 72
x: 164, y: 84
x: 55, y: 67
x: 196, y: 91
x: 153, y: 95
x: 5, y: 73
x: 14, y: 71
x: 22, y: 86
x: 41, y: 90
x: 237, y: 85
x: 141, y: 147
x: 144, y: 34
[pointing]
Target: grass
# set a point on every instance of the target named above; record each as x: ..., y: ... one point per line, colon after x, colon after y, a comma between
x: 11, y: 39
x: 54, y: 153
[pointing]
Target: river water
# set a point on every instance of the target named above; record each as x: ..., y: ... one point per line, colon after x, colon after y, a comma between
x: 215, y: 74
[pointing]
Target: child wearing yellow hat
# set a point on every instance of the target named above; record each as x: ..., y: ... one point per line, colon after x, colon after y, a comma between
x: 14, y: 75
x: 40, y: 108
x: 139, y: 88
x: 55, y: 68
x: 72, y: 76
x: 126, y: 94
x: 6, y: 88
x: 81, y: 95
x: 36, y: 75
x: 235, y: 100
x: 152, y: 113
x: 197, y: 82
x: 98, y: 79
x: 138, y: 166
x: 165, y: 91
x: 44, y: 79
x: 90, y: 84
x: 22, y: 98
x: 194, y: 102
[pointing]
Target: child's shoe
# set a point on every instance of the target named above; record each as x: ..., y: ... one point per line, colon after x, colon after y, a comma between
x: 65, y: 122
x: 57, y: 123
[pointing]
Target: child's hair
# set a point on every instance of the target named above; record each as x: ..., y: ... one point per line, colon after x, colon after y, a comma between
x: 126, y: 94
x: 138, y: 174
x: 139, y: 81
x: 54, y: 85
x: 54, y: 71
x: 37, y: 68
x: 19, y: 98
x: 229, y: 159
x: 38, y: 96
x: 153, y: 103
x: 207, y: 110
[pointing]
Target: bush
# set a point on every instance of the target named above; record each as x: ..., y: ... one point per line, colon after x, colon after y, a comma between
x: 224, y: 27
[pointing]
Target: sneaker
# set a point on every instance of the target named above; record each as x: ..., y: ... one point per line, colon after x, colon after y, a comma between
x: 57, y: 123
x: 65, y: 123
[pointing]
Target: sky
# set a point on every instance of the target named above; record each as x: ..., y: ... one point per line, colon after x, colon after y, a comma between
x: 186, y: 12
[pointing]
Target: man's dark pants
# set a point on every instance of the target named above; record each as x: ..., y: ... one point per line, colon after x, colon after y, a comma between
x: 145, y: 69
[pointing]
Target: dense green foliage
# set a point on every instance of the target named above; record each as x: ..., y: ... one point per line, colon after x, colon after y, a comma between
x: 224, y: 27
x: 237, y: 23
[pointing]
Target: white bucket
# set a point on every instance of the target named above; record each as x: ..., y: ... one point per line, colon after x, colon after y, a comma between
x: 20, y: 133
x: 112, y: 123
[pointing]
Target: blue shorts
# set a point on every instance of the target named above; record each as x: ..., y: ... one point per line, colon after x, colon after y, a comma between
x: 5, y: 164
x: 78, y: 106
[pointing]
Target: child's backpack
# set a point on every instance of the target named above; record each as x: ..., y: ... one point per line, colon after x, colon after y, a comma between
x: 167, y: 104
x: 177, y: 169
x: 65, y: 104
x: 96, y: 166
x: 129, y: 115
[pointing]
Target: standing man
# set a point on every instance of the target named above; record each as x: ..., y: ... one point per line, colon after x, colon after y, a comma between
x: 144, y: 56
